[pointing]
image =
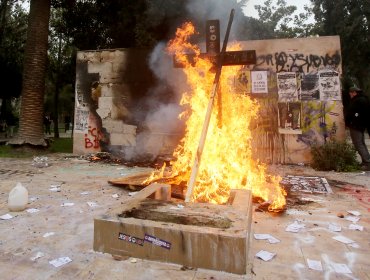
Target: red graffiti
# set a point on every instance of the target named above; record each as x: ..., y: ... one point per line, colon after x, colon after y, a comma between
x: 360, y: 193
x: 92, y: 138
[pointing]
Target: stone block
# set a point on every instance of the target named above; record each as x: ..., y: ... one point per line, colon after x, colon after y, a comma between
x: 123, y: 139
x: 105, y: 68
x: 105, y: 103
x: 104, y: 113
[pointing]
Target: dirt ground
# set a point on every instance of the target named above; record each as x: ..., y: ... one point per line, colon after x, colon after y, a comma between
x: 57, y: 231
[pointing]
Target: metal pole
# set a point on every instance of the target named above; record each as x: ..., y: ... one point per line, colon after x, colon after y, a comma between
x: 198, y: 155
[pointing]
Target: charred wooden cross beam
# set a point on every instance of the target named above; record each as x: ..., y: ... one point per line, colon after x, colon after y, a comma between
x: 219, y: 59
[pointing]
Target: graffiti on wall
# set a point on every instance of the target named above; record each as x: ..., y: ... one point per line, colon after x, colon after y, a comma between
x: 92, y: 138
x: 299, y: 62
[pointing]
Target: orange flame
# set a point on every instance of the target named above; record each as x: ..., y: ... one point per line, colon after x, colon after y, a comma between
x: 227, y: 161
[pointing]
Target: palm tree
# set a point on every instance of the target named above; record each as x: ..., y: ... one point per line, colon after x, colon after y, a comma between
x: 35, y: 60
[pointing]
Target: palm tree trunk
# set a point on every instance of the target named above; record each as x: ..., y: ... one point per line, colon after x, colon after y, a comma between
x: 33, y: 87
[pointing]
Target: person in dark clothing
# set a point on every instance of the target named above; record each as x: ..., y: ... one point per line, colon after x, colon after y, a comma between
x: 67, y: 121
x: 357, y: 120
x: 47, y: 124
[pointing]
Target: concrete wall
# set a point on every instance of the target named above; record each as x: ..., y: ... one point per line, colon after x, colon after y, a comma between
x: 296, y: 111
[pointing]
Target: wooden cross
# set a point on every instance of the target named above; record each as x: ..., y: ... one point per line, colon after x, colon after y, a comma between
x: 218, y: 59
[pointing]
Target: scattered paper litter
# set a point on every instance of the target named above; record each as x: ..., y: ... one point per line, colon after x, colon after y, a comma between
x: 48, y: 234
x: 132, y: 193
x: 356, y: 227
x: 335, y: 227
x: 315, y: 265
x: 354, y: 245
x: 354, y: 213
x: 341, y: 268
x: 6, y: 217
x: 60, y: 261
x: 353, y: 219
x: 295, y: 227
x: 84, y: 193
x: 133, y: 260
x: 55, y: 188
x: 66, y: 204
x: 265, y: 255
x: 343, y: 239
x: 92, y: 204
x: 268, y: 237
x: 37, y: 256
x: 32, y: 210
x: 177, y: 207
x: 33, y: 198
x: 115, y: 195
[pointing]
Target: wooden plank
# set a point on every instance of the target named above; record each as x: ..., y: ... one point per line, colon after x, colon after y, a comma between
x: 135, y: 179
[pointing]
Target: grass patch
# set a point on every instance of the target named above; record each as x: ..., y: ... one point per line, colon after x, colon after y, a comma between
x: 57, y: 145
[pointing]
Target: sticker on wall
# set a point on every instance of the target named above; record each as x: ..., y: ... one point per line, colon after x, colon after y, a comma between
x: 287, y: 86
x: 329, y: 85
x: 310, y: 87
x: 259, y: 82
x: 289, y: 117
x: 131, y: 239
x: 157, y: 242
x: 243, y: 81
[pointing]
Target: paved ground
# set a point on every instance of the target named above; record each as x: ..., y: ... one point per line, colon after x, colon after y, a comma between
x: 21, y: 237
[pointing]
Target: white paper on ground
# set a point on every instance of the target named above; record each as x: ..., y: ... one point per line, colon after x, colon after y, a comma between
x: 84, y: 193
x: 37, y: 256
x: 335, y: 227
x: 315, y: 265
x: 265, y: 255
x: 132, y: 193
x: 6, y: 217
x: 341, y: 268
x: 65, y: 204
x: 32, y: 210
x: 55, y: 188
x: 352, y: 219
x: 356, y: 227
x: 48, y: 234
x: 60, y: 261
x: 115, y: 195
x: 92, y: 204
x: 295, y: 227
x: 343, y: 239
x: 268, y: 237
x: 354, y: 213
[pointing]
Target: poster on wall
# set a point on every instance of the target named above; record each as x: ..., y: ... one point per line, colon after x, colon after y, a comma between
x: 289, y: 117
x: 243, y: 81
x: 329, y: 85
x: 81, y: 119
x: 310, y: 87
x: 259, y: 82
x: 287, y: 86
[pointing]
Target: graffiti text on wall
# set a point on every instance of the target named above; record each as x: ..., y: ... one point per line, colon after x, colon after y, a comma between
x: 92, y: 138
x: 299, y: 62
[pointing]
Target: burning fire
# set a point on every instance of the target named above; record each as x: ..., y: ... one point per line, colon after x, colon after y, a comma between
x: 227, y: 161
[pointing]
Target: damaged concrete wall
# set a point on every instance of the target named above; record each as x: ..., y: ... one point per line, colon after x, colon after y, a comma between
x: 299, y: 95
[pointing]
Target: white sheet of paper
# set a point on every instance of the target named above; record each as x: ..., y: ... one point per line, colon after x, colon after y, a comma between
x: 335, y: 227
x: 48, y: 234
x: 315, y: 265
x: 55, y: 188
x: 265, y: 255
x: 37, y: 256
x: 6, y: 217
x: 60, y: 261
x: 356, y: 227
x: 352, y: 219
x: 84, y: 193
x: 92, y: 204
x: 265, y: 236
x: 65, y: 204
x: 115, y: 195
x: 341, y: 268
x: 354, y: 213
x: 32, y: 210
x: 295, y: 227
x: 343, y: 239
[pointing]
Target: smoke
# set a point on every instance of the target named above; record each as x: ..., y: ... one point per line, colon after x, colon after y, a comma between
x: 158, y: 112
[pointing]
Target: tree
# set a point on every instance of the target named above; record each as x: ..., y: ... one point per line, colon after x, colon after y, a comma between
x: 31, y: 117
x: 350, y: 19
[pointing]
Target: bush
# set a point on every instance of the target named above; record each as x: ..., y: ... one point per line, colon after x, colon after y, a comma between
x: 334, y: 155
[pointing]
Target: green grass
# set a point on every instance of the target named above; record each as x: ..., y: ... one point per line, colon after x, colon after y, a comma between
x: 57, y: 145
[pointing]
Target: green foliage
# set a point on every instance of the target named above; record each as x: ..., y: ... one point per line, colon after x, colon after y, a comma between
x: 334, y: 155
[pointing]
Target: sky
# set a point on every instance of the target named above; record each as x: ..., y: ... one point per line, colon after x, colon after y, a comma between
x: 250, y: 11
